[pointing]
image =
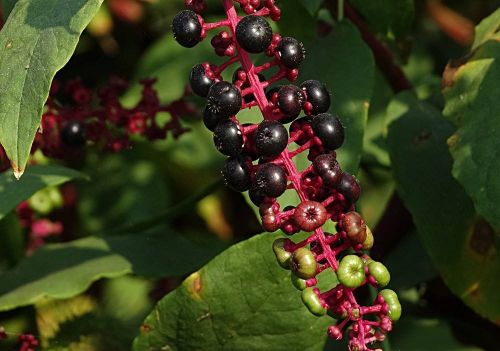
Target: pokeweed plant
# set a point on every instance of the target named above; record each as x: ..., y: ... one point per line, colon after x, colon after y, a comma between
x: 261, y: 161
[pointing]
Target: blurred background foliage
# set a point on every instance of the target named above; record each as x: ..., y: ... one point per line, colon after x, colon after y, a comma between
x: 150, y: 216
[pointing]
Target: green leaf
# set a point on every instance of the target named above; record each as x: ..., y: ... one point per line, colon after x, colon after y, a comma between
x: 489, y: 28
x: 37, y: 40
x: 311, y: 5
x: 472, y: 104
x: 345, y: 64
x: 7, y: 6
x: 462, y: 246
x: 409, y: 253
x: 388, y: 16
x: 65, y: 270
x: 409, y: 332
x: 297, y: 20
x: 241, y: 300
x: 170, y: 64
x: 13, y: 191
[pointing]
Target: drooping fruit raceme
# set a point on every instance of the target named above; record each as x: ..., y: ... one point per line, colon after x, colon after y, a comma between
x: 262, y: 161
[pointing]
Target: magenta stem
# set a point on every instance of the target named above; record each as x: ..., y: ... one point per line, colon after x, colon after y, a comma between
x: 210, y: 26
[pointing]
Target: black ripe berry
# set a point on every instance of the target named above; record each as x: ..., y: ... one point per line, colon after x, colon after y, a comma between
x: 329, y: 130
x: 257, y: 196
x: 73, y: 134
x: 200, y: 82
x: 187, y: 28
x: 349, y: 187
x: 236, y: 174
x: 271, y: 138
x: 290, y: 100
x: 317, y: 94
x: 224, y: 99
x: 254, y: 34
x: 291, y: 52
x: 228, y: 138
x: 327, y: 167
x: 271, y: 179
x: 210, y: 120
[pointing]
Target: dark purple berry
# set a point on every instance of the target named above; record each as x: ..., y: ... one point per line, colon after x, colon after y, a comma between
x: 271, y: 138
x: 210, y: 120
x: 327, y: 167
x: 187, y: 28
x: 317, y: 94
x: 309, y: 215
x: 236, y: 174
x: 73, y: 134
x: 254, y: 34
x: 257, y: 196
x: 224, y: 99
x: 290, y: 100
x: 200, y: 82
x: 329, y: 130
x: 291, y: 52
x: 354, y: 226
x: 349, y: 187
x: 228, y: 138
x: 271, y: 179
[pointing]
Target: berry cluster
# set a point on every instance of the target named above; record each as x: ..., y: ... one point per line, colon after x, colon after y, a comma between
x: 27, y: 342
x: 75, y: 117
x: 40, y: 215
x: 261, y: 160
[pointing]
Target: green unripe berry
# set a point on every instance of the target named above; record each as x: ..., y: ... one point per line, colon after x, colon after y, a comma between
x: 299, y: 283
x: 380, y: 273
x: 282, y: 255
x: 303, y: 263
x: 313, y: 302
x: 392, y: 301
x: 41, y: 203
x: 55, y: 197
x: 368, y: 243
x: 351, y: 272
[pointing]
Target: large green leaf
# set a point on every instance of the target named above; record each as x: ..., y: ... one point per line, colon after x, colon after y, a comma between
x: 488, y: 29
x: 13, y: 191
x: 65, y: 270
x: 472, y: 104
x: 345, y: 64
x: 393, y: 17
x: 37, y: 40
x: 241, y: 300
x: 462, y: 246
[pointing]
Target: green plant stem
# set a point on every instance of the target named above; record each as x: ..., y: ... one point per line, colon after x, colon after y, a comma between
x: 168, y: 214
x: 340, y: 10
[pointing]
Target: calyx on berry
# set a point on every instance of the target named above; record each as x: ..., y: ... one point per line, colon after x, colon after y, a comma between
x: 378, y: 271
x: 282, y: 255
